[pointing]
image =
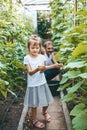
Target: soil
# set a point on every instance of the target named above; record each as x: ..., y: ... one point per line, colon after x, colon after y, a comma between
x: 10, y: 111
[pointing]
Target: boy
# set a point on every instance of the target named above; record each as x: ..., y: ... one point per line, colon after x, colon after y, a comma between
x: 50, y: 60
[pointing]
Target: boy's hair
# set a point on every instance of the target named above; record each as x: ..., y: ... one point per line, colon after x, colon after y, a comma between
x: 47, y: 43
x: 36, y: 39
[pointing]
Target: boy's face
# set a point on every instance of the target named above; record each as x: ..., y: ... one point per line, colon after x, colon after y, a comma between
x: 49, y: 49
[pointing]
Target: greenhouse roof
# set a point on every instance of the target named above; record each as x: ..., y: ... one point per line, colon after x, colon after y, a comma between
x: 36, y: 4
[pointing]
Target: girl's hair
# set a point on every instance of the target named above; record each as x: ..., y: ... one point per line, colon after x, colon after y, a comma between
x: 47, y: 43
x: 36, y: 39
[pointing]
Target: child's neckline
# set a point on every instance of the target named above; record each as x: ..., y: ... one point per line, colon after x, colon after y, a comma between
x: 34, y: 57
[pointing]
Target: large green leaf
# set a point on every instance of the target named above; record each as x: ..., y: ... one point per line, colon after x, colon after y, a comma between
x: 80, y: 49
x: 80, y: 121
x: 84, y: 75
x: 64, y: 80
x: 68, y: 97
x: 72, y: 74
x: 77, y: 109
x: 75, y: 87
x: 69, y: 75
x: 77, y: 64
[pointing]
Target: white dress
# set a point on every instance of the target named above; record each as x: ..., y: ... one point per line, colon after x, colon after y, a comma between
x: 37, y: 92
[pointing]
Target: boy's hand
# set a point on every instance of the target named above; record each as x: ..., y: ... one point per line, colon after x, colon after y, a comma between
x: 58, y: 65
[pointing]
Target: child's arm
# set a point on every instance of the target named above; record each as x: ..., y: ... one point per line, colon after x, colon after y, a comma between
x: 56, y: 65
x: 30, y: 71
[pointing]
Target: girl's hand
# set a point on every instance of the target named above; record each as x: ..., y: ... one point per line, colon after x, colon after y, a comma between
x: 42, y: 68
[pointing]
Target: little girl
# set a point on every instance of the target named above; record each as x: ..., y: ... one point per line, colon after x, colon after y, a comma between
x: 37, y: 93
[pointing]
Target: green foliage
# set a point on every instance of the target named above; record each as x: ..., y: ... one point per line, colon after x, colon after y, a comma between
x: 15, y: 28
x: 68, y: 97
x: 75, y: 87
x: 11, y: 67
x: 69, y: 75
x: 76, y: 64
x: 80, y: 113
x: 3, y: 87
x: 83, y: 75
x: 79, y: 50
x: 77, y: 109
x: 69, y: 33
x: 44, y: 24
x: 80, y: 121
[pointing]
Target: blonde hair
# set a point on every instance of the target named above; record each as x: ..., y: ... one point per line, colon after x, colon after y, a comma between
x: 36, y: 39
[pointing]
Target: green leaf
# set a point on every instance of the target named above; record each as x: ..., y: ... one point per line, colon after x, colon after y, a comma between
x: 84, y: 75
x: 68, y: 97
x: 72, y: 74
x: 3, y: 89
x: 6, y: 83
x: 84, y: 99
x: 63, y: 86
x: 12, y: 92
x: 77, y: 109
x: 75, y: 87
x: 19, y: 79
x: 80, y: 49
x: 69, y: 75
x: 18, y: 64
x: 3, y: 74
x: 77, y: 64
x: 2, y: 65
x: 80, y: 121
x: 64, y: 79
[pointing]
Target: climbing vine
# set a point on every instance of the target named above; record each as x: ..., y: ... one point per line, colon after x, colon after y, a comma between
x: 69, y: 30
x: 15, y: 29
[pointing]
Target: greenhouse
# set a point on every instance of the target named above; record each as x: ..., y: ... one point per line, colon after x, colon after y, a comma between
x: 43, y: 64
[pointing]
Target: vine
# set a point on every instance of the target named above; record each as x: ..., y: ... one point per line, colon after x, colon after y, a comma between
x: 15, y: 30
x: 69, y: 30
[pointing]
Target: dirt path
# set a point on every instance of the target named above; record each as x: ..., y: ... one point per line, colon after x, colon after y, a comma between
x: 57, y: 115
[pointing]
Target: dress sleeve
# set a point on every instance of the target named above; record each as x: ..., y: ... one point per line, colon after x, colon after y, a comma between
x: 26, y: 60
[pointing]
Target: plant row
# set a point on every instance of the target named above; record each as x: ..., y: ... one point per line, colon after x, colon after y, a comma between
x: 15, y: 28
x: 69, y: 31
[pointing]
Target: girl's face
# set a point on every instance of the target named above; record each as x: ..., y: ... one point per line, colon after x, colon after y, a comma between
x: 34, y: 49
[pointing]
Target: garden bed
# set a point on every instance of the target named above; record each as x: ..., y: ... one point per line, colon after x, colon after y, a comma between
x: 10, y: 111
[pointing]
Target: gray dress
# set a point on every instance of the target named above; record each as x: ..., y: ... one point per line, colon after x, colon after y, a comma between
x: 37, y: 92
